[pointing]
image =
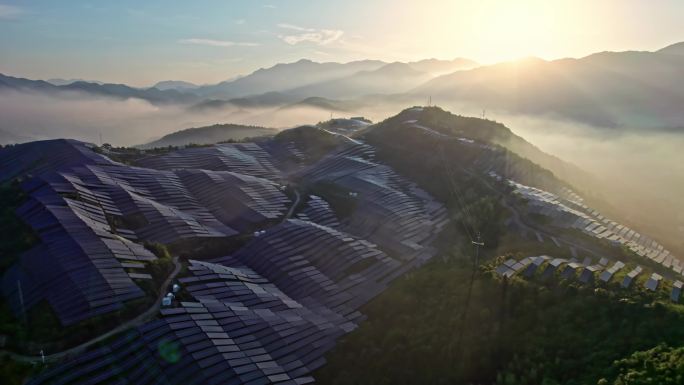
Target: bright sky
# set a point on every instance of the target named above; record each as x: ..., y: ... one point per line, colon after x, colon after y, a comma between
x: 207, y: 41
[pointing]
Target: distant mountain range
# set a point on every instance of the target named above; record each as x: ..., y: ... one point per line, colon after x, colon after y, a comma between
x: 119, y: 91
x: 307, y: 78
x: 639, y: 89
x: 610, y: 89
x: 388, y: 79
x: 282, y: 77
x: 175, y: 85
x: 64, y: 82
x: 293, y: 81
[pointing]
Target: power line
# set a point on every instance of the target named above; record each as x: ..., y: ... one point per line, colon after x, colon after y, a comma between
x: 454, y: 190
x: 21, y: 301
x: 469, y: 293
x: 466, y: 216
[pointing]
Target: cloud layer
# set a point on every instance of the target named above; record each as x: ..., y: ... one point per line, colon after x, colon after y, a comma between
x: 309, y: 35
x: 8, y: 12
x: 218, y: 43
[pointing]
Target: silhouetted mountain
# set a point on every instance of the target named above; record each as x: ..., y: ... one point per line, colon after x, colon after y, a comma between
x: 440, y: 67
x: 391, y: 78
x: 118, y: 91
x: 64, y: 82
x: 675, y: 49
x: 283, y: 77
x: 269, y: 99
x: 268, y: 87
x: 637, y: 89
x: 25, y: 84
x: 121, y: 91
x: 210, y: 134
x: 177, y: 85
x: 611, y: 89
x: 326, y: 104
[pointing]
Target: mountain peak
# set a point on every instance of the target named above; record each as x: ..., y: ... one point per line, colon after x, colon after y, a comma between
x: 397, y: 68
x: 675, y: 49
x: 174, y: 85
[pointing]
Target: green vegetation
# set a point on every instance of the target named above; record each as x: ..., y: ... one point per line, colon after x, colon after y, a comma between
x: 398, y: 139
x: 662, y: 365
x: 158, y: 249
x: 129, y: 155
x: 159, y: 269
x: 449, y: 323
x: 310, y: 140
x: 16, y: 373
x: 341, y: 203
x: 217, y: 133
x: 512, y: 332
x: 205, y: 248
x: 473, y: 128
x: 43, y: 330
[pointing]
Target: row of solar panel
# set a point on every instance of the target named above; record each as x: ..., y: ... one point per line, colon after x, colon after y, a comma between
x: 243, y: 328
x: 568, y: 269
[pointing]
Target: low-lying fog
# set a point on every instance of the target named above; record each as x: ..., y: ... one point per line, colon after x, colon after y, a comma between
x: 639, y: 172
x: 28, y: 116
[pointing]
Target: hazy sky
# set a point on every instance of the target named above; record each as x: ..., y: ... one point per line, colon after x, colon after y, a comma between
x: 208, y: 41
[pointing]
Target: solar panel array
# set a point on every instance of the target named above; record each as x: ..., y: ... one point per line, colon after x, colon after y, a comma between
x: 243, y: 158
x: 574, y: 213
x: 653, y: 281
x: 33, y: 158
x: 529, y: 266
x: 207, y: 342
x: 534, y: 265
x: 319, y: 211
x: 390, y: 210
x: 588, y: 274
x: 318, y: 264
x: 264, y: 315
x: 607, y: 275
x: 146, y: 204
x: 268, y: 312
x: 676, y: 291
x: 512, y: 266
x: 629, y: 278
x: 78, y: 266
x: 102, y: 207
x: 251, y: 201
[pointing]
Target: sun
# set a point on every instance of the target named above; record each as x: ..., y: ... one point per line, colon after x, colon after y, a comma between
x: 518, y: 29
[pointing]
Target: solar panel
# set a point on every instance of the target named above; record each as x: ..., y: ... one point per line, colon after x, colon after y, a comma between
x: 676, y: 291
x: 653, y: 282
x: 272, y: 309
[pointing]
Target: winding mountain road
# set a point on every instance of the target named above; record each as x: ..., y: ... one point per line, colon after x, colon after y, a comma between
x: 150, y: 313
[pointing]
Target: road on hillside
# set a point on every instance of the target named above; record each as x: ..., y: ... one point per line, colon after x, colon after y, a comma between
x: 294, y: 205
x: 135, y: 322
x: 344, y: 136
x: 518, y: 219
x: 150, y: 313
